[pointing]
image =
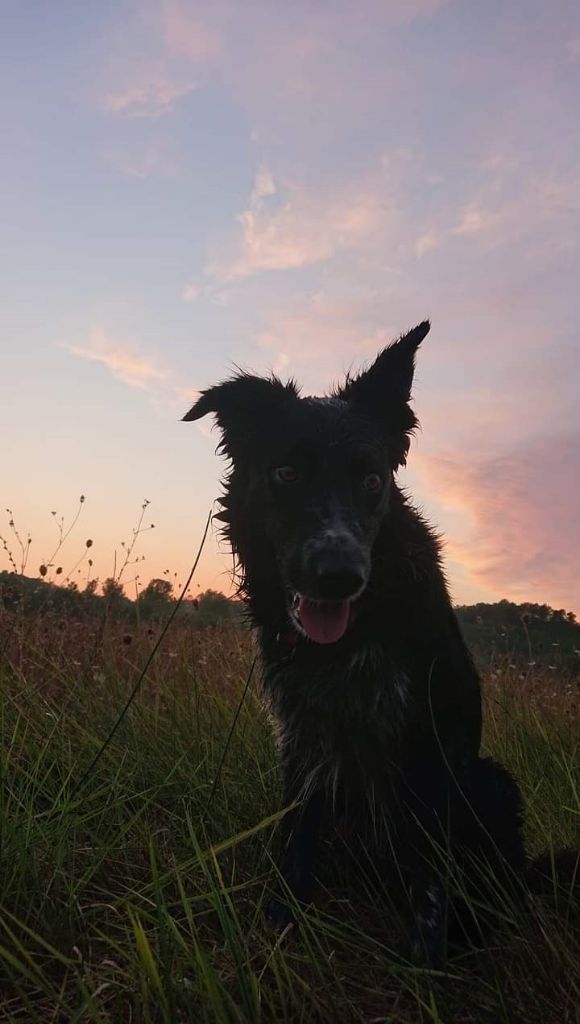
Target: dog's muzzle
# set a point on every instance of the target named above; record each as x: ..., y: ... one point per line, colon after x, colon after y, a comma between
x: 334, y: 575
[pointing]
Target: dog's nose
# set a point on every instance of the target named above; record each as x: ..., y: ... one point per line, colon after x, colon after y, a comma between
x: 336, y: 586
x: 337, y: 578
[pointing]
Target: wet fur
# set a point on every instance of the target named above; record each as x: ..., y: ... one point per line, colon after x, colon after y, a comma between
x: 381, y: 729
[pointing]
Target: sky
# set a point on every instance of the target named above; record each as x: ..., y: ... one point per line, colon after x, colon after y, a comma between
x: 185, y: 186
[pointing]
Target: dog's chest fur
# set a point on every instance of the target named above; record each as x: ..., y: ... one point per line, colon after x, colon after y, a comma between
x: 340, y: 724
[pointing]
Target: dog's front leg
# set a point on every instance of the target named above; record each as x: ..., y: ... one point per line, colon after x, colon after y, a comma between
x: 428, y: 939
x: 300, y: 830
x: 427, y: 848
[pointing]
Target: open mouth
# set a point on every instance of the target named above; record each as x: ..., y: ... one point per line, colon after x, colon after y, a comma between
x: 324, y: 622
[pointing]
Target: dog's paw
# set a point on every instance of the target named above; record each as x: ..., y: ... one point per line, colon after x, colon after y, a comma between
x: 426, y: 949
x: 278, y: 916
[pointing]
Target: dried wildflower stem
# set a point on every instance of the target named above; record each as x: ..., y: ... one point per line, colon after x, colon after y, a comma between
x: 129, y: 549
x: 9, y: 553
x: 145, y: 668
x: 63, y: 536
x: 24, y: 548
x: 88, y: 545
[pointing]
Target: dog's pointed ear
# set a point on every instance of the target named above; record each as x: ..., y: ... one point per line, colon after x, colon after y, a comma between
x: 390, y: 375
x: 383, y: 391
x: 241, y: 406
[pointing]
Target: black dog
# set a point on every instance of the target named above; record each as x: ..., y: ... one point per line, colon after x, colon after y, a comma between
x: 375, y: 694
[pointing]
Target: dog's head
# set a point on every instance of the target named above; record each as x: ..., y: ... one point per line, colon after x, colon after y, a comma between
x: 311, y: 478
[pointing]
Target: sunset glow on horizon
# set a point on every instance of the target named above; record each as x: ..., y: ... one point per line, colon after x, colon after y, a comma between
x: 192, y: 186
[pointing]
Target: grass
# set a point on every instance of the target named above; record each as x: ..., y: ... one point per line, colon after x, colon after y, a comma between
x: 129, y: 895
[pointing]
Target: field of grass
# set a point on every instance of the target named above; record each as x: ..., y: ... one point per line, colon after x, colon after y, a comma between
x: 133, y: 887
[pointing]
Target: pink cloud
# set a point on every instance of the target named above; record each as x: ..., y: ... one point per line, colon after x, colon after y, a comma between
x: 263, y: 186
x: 309, y: 335
x: 191, y: 293
x: 521, y: 536
x: 149, y: 91
x: 474, y: 221
x: 137, y: 368
x: 325, y: 332
x: 156, y: 157
x: 126, y: 362
x: 185, y: 34
x: 170, y: 62
x: 289, y: 225
x: 304, y: 228
x: 425, y: 243
x: 506, y: 211
x: 288, y: 65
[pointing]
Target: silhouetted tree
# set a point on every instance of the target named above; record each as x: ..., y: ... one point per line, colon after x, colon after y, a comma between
x: 112, y: 589
x: 156, y: 597
x: 214, y: 607
x: 116, y: 603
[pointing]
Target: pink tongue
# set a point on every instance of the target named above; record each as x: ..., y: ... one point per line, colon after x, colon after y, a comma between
x: 324, y: 623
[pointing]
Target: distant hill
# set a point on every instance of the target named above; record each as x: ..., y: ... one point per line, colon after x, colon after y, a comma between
x: 521, y: 634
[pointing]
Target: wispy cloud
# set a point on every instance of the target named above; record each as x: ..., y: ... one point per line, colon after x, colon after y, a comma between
x: 140, y: 369
x: 209, y: 291
x: 303, y: 338
x: 425, y: 243
x: 156, y: 157
x: 302, y: 228
x: 170, y: 64
x: 474, y: 220
x: 288, y: 225
x: 126, y: 362
x: 191, y: 292
x: 185, y: 33
x: 149, y: 92
x: 263, y: 186
x: 508, y: 209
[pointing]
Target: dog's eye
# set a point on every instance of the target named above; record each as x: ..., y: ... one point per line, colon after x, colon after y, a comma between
x: 373, y: 483
x: 286, y: 475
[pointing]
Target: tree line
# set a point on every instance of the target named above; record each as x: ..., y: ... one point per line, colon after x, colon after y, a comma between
x: 32, y: 596
x: 524, y: 635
